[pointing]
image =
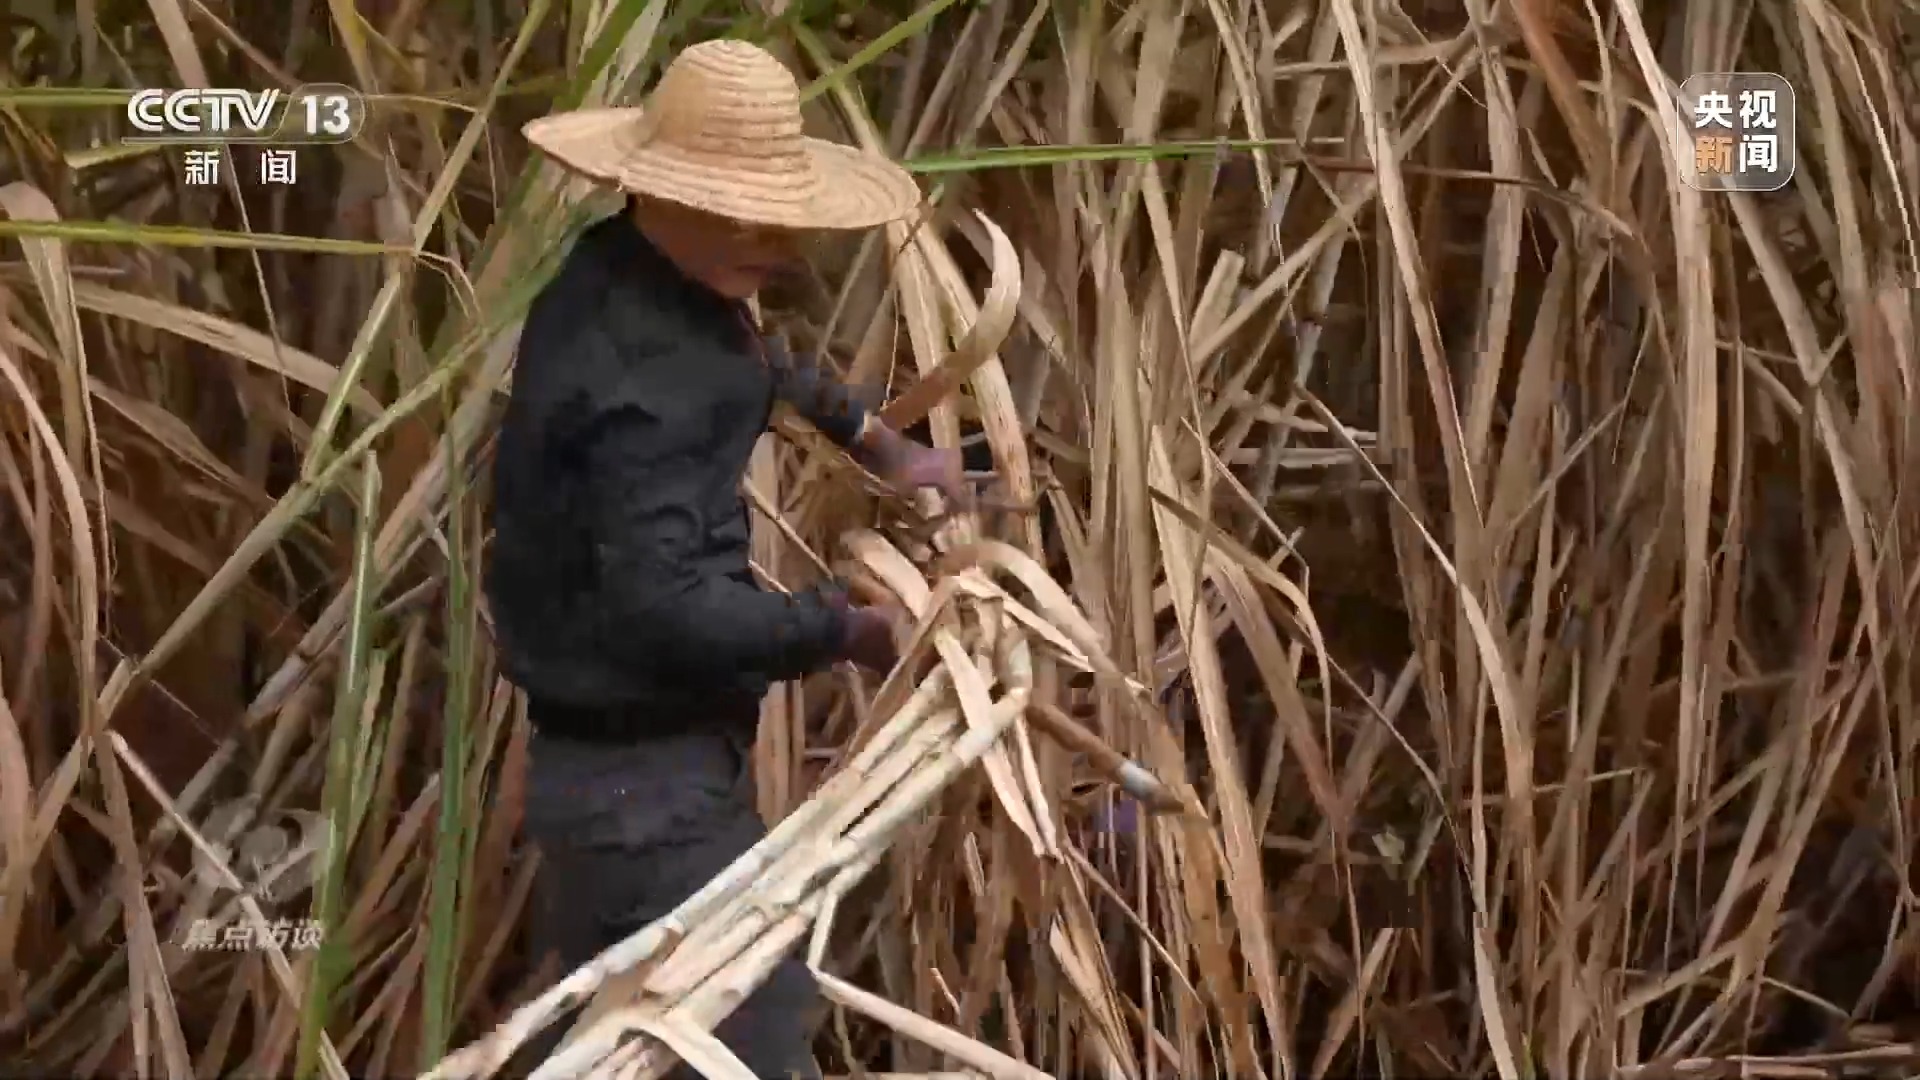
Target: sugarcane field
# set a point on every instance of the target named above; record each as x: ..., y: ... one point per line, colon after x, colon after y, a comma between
x: 1158, y: 540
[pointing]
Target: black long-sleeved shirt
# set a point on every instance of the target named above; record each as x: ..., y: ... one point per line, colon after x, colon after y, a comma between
x: 618, y: 574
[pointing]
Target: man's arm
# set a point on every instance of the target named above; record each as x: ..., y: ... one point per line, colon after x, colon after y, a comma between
x: 668, y: 614
x: 840, y: 414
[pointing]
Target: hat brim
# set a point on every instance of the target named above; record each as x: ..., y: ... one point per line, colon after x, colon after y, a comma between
x: 847, y: 189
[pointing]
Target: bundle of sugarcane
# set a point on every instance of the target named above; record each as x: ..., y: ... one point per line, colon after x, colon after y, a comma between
x: 958, y: 699
x: 987, y: 617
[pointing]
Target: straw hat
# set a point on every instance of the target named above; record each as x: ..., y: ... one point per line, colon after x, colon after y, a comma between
x: 721, y: 133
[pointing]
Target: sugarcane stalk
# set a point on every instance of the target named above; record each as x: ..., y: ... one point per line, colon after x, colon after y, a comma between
x: 1132, y: 777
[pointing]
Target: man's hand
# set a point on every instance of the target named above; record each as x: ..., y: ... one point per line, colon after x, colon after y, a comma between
x: 909, y: 466
x: 873, y: 638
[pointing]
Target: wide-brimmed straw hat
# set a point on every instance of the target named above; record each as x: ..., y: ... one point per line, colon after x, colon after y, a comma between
x: 722, y: 133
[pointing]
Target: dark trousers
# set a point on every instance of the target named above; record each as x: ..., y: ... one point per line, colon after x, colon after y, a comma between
x: 629, y: 831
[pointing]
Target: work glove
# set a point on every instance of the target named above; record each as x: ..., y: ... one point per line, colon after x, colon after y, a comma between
x: 907, y: 466
x: 872, y: 638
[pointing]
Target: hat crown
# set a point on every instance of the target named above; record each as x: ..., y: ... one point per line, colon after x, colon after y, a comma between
x: 722, y: 133
x: 729, y: 101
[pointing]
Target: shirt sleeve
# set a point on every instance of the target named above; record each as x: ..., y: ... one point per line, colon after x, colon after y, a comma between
x: 667, y: 612
x: 839, y: 411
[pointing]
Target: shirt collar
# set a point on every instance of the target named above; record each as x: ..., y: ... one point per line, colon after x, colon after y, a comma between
x: 624, y: 250
x: 627, y: 250
x: 625, y: 247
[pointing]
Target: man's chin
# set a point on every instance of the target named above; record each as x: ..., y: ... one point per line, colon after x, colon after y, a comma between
x: 740, y: 286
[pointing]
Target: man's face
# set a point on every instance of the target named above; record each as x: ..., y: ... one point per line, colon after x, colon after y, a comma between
x: 731, y: 258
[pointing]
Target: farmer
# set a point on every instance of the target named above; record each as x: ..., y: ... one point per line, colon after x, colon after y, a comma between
x: 618, y: 577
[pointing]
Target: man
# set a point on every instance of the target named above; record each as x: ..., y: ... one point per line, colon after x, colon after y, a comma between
x: 618, y: 575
